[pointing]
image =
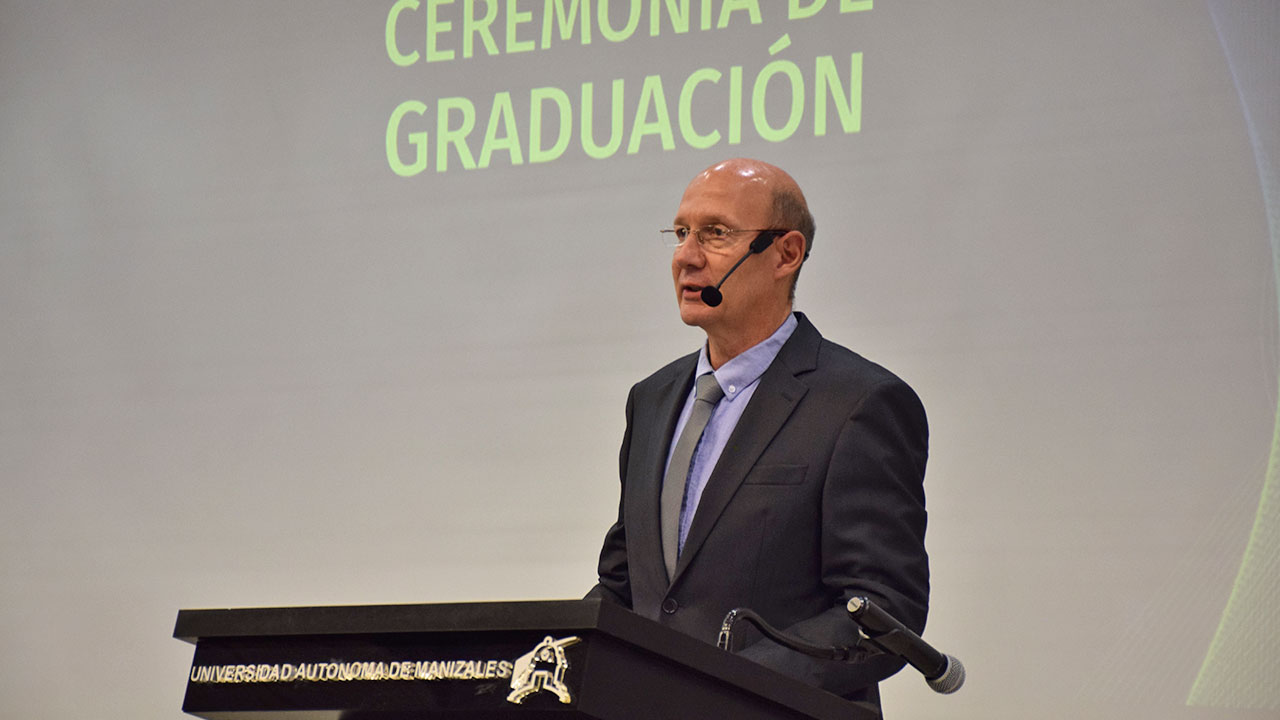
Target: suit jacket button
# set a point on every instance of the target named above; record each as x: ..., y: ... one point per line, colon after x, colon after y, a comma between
x: 669, y: 606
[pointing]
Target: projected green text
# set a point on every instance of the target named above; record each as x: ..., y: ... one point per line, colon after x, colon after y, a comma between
x: 708, y: 106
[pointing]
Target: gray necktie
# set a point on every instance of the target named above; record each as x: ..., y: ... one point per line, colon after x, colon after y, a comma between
x: 709, y: 393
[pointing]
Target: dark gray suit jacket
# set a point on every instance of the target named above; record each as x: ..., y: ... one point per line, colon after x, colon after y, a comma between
x: 817, y: 497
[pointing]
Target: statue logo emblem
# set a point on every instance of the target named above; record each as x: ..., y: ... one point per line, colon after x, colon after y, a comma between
x: 542, y: 668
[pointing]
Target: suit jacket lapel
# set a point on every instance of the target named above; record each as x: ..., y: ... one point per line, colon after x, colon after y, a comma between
x: 647, y: 530
x: 772, y: 404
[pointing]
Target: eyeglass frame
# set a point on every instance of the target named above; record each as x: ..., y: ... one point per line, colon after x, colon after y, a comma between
x: 671, y: 238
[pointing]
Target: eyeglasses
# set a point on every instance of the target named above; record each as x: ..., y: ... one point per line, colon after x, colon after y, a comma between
x: 712, y: 238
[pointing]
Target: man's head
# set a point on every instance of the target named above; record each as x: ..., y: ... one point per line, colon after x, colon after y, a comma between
x: 741, y: 194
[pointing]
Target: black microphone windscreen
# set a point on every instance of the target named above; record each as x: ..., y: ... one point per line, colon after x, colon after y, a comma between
x: 711, y: 296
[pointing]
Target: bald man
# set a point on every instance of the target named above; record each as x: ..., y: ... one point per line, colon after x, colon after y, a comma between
x: 791, y: 482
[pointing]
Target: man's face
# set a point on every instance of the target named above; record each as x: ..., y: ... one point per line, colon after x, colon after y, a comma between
x: 737, y: 199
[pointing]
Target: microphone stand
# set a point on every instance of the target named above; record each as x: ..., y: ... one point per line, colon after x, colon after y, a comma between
x: 943, y: 673
x: 843, y: 654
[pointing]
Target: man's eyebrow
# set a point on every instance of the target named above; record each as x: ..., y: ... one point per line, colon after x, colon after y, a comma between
x: 711, y: 220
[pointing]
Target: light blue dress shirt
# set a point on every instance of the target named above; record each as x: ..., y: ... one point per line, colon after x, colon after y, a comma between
x: 738, y: 378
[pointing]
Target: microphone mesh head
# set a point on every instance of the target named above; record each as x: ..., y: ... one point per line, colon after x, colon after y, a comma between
x: 711, y: 296
x: 951, y: 678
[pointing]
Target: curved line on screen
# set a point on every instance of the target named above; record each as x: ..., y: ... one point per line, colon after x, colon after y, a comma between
x: 1239, y: 664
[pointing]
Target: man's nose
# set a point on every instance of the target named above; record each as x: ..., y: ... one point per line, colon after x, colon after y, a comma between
x: 690, y: 253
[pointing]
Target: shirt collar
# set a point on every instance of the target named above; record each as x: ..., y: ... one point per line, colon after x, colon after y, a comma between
x: 746, y: 368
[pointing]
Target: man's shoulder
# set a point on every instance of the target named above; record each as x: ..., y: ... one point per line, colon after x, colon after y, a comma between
x: 837, y: 371
x: 837, y: 359
x: 808, y: 351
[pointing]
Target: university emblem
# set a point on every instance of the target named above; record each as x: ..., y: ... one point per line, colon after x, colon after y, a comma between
x: 542, y: 668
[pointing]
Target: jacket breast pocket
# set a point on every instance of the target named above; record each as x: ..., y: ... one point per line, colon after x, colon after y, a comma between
x: 776, y: 475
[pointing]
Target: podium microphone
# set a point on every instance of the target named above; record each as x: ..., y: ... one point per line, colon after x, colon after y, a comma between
x: 943, y: 673
x: 711, y: 295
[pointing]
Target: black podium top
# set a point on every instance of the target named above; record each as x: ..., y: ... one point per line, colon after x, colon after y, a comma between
x: 562, y: 659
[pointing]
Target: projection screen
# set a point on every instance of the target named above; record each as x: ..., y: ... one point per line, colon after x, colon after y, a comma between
x: 322, y: 302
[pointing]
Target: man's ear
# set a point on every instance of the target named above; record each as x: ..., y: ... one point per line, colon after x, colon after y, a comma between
x: 791, y: 249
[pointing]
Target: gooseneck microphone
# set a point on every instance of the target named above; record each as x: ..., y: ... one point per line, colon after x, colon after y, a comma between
x: 879, y: 633
x: 944, y: 673
x: 711, y: 295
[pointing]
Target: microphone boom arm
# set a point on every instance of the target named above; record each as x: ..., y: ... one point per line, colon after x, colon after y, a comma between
x: 843, y: 654
x: 879, y: 633
x: 711, y: 295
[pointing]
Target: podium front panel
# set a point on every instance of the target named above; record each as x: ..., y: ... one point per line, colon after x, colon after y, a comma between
x: 562, y: 659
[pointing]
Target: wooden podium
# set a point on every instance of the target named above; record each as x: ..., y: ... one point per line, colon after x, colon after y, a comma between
x: 516, y: 660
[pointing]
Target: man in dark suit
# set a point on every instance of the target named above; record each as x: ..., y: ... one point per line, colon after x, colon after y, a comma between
x: 803, y: 487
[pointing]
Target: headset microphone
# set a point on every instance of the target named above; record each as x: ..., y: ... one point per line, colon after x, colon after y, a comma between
x: 711, y: 295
